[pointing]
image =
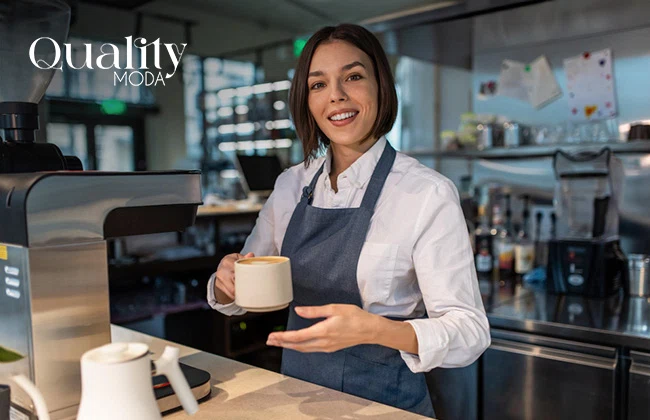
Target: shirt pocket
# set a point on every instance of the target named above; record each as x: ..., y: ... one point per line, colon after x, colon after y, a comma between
x: 376, y: 270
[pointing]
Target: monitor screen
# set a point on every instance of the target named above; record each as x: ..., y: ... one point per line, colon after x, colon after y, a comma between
x: 259, y: 172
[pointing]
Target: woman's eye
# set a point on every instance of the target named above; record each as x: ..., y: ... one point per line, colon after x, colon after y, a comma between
x: 317, y: 85
x: 355, y: 77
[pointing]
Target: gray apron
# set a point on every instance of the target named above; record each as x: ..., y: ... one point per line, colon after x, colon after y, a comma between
x: 324, y: 247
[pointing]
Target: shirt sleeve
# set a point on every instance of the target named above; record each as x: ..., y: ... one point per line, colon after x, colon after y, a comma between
x: 261, y: 241
x: 456, y: 331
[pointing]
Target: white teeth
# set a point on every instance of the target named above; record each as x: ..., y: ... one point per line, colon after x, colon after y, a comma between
x: 343, y: 116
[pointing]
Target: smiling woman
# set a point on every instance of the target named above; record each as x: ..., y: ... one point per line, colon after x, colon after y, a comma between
x: 384, y: 283
x: 342, y: 70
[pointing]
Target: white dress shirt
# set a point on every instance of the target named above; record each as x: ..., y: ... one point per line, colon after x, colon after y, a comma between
x: 416, y: 260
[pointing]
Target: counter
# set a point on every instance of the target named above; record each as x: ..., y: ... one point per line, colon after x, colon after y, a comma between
x: 242, y: 392
x: 547, y: 347
x: 620, y: 320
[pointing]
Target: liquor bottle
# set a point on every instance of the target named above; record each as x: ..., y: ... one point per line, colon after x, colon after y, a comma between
x: 524, y: 247
x: 498, y: 232
x: 541, y: 247
x: 483, y: 247
x: 506, y: 248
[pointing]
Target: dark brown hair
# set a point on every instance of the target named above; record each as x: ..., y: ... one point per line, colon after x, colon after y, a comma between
x: 308, y: 131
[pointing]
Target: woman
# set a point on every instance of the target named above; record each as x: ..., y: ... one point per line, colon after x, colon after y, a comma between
x: 384, y: 282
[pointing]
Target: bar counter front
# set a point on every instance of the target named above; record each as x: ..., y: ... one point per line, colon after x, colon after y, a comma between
x: 565, y: 356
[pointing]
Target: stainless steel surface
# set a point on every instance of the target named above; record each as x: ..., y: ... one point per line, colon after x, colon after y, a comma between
x: 453, y: 9
x: 454, y: 392
x: 60, y: 307
x: 638, y: 403
x: 15, y: 313
x: 638, y: 275
x: 63, y: 311
x: 71, y: 209
x: 619, y: 320
x: 505, y: 153
x: 528, y: 381
x: 70, y: 315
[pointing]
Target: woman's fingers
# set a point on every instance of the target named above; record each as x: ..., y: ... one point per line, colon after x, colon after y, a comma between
x: 228, y: 287
x: 231, y: 288
x: 225, y: 276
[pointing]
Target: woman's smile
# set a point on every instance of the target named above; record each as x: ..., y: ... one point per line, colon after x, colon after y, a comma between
x: 343, y: 117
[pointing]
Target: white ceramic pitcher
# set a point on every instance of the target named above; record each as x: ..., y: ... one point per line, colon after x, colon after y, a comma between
x: 11, y: 363
x: 32, y: 392
x: 116, y: 383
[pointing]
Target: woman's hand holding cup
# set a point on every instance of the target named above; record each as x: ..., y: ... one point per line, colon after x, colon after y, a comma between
x: 225, y: 277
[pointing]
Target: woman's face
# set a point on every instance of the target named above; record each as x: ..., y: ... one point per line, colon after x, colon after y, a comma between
x: 343, y: 92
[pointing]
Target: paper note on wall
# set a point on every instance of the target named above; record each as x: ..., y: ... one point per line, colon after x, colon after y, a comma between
x: 543, y: 85
x: 534, y: 83
x: 590, y: 85
x: 514, y: 81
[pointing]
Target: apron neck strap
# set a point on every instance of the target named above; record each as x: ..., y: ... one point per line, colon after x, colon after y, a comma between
x: 378, y: 177
x: 308, y: 191
x: 375, y: 184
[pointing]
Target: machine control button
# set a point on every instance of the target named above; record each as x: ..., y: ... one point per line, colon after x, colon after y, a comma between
x: 12, y: 271
x: 13, y: 293
x: 10, y: 281
x: 576, y: 280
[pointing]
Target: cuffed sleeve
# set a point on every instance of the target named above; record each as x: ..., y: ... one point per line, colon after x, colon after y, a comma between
x: 456, y: 331
x: 229, y: 309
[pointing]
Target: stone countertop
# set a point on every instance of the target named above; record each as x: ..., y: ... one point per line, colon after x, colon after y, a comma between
x: 242, y: 392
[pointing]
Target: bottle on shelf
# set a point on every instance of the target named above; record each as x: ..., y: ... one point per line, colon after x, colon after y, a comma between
x: 553, y: 222
x: 524, y: 246
x: 506, y: 248
x: 483, y: 247
x: 541, y: 247
x: 498, y: 232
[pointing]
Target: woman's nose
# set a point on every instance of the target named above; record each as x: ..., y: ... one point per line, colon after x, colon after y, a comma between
x: 338, y: 93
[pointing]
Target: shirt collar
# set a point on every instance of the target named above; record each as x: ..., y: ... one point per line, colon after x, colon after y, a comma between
x: 361, y: 170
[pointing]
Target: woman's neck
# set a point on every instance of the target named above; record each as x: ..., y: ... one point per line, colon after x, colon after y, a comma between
x: 343, y: 156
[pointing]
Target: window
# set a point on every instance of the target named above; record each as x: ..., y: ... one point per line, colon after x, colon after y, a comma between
x: 203, y: 77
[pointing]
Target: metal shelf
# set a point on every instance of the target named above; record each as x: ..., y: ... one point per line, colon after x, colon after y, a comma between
x: 524, y: 152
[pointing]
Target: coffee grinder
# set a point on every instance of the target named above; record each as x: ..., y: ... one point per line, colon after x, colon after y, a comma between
x: 585, y: 257
x: 55, y: 220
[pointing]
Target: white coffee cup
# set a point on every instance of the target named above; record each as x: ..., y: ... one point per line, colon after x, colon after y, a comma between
x: 263, y: 284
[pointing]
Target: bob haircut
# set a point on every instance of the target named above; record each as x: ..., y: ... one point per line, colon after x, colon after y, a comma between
x: 308, y: 131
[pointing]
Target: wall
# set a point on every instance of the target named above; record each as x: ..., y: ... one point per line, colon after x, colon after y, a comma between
x: 214, y: 35
x: 561, y: 29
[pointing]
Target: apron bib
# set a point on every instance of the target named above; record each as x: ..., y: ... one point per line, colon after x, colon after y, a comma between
x: 324, y: 246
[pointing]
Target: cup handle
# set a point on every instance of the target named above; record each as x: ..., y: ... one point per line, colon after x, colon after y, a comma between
x: 36, y: 396
x: 168, y: 365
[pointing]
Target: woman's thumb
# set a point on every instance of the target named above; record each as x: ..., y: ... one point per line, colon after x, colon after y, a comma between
x: 249, y: 255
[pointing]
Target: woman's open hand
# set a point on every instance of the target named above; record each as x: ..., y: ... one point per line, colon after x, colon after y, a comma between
x: 224, y: 281
x: 344, y: 326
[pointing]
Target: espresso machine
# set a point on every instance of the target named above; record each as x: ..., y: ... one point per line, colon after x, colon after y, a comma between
x: 585, y: 257
x: 55, y: 220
